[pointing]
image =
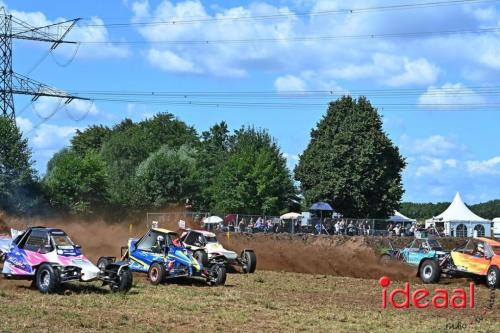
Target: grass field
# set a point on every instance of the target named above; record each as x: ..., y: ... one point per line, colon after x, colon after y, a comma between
x: 264, y: 301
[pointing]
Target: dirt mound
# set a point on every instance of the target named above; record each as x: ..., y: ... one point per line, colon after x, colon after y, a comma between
x: 378, y: 243
x: 331, y: 255
x: 3, y: 226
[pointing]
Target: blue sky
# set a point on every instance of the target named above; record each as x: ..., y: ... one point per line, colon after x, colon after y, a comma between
x: 449, y: 147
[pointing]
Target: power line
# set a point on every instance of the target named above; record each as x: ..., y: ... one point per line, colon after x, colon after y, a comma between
x: 490, y: 89
x: 70, y: 59
x: 266, y: 100
x: 494, y: 106
x: 417, y: 34
x: 274, y: 16
x: 38, y: 62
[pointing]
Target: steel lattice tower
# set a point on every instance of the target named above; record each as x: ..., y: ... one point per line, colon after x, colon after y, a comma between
x: 12, y: 83
x: 7, y: 102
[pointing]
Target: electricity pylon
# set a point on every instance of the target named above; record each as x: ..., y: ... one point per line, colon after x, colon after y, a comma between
x: 12, y: 83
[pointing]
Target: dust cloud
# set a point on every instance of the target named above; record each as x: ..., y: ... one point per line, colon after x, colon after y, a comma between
x: 329, y: 255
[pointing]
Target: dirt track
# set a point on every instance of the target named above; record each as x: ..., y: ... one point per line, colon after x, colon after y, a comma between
x: 269, y: 300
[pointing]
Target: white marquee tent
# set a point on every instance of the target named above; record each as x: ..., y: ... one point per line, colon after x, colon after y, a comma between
x: 460, y: 221
x: 398, y: 217
x: 496, y: 227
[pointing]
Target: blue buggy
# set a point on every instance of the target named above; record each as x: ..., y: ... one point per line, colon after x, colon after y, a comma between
x: 423, y: 252
x: 159, y: 254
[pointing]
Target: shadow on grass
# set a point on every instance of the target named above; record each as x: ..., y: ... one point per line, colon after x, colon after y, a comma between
x: 77, y: 288
x: 234, y: 270
x: 193, y: 282
x: 69, y: 289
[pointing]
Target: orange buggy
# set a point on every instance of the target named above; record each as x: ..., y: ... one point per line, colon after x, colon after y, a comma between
x: 479, y: 257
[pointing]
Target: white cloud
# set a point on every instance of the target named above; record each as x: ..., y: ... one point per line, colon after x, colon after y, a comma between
x: 490, y: 166
x: 451, y: 162
x: 140, y: 8
x: 24, y: 124
x: 308, y: 80
x: 48, y: 136
x: 92, y: 32
x: 139, y: 112
x: 433, y: 154
x: 47, y: 107
x: 170, y: 62
x: 418, y: 71
x: 373, y: 69
x: 491, y: 58
x: 291, y: 159
x: 81, y: 108
x: 485, y: 14
x: 289, y: 83
x: 219, y: 59
x: 449, y: 96
x: 388, y: 69
x: 400, y: 62
x: 438, y: 190
x: 352, y: 59
x: 434, y: 145
x: 433, y: 165
x: 437, y: 179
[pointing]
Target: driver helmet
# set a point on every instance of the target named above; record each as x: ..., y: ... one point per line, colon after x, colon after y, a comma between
x: 160, y: 239
x: 480, y: 248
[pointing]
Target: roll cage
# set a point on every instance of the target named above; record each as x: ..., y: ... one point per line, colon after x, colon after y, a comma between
x: 148, y: 242
x: 42, y: 239
x: 196, y: 238
x: 429, y: 244
x: 471, y: 248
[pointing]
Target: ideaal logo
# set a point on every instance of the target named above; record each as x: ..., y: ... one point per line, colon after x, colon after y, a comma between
x: 460, y: 298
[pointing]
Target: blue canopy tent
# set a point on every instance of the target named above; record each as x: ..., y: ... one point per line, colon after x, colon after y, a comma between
x: 322, y: 207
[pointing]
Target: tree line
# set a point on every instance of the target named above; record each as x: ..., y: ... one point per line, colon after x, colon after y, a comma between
x: 149, y: 165
x: 488, y: 210
x: 350, y: 162
x: 162, y: 161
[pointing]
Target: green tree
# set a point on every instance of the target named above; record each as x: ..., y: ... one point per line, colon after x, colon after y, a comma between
x: 488, y: 210
x: 212, y: 154
x: 131, y: 143
x: 166, y: 176
x: 92, y: 138
x: 18, y: 189
x: 76, y: 183
x: 351, y: 163
x: 423, y: 210
x: 254, y: 178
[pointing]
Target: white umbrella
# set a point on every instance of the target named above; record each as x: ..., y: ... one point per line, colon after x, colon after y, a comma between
x: 290, y: 216
x: 212, y: 220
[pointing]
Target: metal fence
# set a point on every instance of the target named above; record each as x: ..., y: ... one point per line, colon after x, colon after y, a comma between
x: 367, y: 227
x: 171, y: 218
x: 245, y: 223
